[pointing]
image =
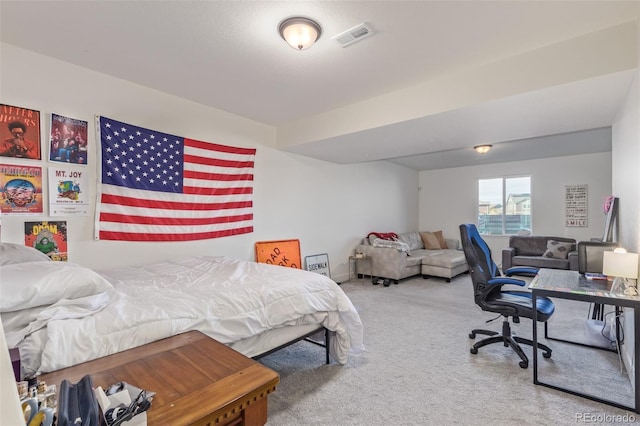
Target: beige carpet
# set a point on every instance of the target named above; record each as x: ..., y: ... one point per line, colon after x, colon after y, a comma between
x: 418, y: 369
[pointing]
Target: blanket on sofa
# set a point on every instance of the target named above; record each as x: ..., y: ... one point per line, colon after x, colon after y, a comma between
x: 398, y: 245
x: 391, y: 236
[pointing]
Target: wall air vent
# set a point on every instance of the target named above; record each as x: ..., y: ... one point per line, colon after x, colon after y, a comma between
x: 352, y: 35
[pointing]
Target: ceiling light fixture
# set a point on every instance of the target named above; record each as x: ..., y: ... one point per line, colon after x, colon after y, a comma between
x: 300, y: 33
x: 482, y: 149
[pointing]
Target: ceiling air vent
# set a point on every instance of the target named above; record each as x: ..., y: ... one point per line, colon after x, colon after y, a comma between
x: 356, y: 33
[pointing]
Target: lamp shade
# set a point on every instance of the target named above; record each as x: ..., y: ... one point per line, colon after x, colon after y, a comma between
x: 620, y: 264
x: 300, y: 33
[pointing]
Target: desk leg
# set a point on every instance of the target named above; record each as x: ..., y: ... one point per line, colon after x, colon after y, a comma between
x: 353, y: 263
x: 535, y: 338
x: 636, y: 378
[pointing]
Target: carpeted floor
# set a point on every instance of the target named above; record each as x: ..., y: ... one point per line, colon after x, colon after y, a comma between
x: 418, y: 369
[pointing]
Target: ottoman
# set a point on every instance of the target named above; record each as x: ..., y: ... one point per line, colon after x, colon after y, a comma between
x: 444, y: 264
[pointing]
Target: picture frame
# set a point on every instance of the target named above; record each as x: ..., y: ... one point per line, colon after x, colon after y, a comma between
x: 576, y: 206
x: 611, y: 221
x: 68, y: 140
x: 281, y: 252
x: 20, y: 133
x: 318, y: 263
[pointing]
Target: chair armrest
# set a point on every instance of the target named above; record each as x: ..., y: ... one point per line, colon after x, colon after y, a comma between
x: 527, y: 271
x: 506, y: 280
x: 573, y: 261
x: 507, y: 255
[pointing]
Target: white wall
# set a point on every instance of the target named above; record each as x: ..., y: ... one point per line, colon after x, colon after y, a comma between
x: 626, y: 186
x: 328, y: 207
x: 448, y: 197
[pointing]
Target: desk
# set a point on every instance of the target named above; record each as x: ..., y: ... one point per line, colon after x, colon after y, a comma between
x: 570, y: 285
x: 197, y: 380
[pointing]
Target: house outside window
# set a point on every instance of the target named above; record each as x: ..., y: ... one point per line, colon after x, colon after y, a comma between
x: 504, y: 205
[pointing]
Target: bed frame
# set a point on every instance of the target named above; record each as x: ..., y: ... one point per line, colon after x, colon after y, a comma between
x: 306, y: 337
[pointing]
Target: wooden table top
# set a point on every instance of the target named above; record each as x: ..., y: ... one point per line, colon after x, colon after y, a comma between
x: 194, y: 377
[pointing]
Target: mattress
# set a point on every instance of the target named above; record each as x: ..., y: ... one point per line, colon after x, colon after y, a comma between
x: 252, y: 307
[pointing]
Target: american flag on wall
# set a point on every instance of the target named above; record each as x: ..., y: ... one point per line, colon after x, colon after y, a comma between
x: 160, y: 187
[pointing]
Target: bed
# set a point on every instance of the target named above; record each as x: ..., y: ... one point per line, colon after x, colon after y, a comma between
x: 61, y: 314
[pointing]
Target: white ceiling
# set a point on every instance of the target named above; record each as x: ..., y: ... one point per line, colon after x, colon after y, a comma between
x: 228, y: 55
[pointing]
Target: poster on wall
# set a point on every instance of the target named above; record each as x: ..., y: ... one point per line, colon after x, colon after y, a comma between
x: 68, y: 140
x: 21, y: 188
x: 68, y: 194
x: 282, y: 253
x: 19, y: 132
x: 575, y: 206
x: 48, y: 237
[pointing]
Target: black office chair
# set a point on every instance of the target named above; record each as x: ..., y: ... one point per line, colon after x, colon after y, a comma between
x: 489, y: 295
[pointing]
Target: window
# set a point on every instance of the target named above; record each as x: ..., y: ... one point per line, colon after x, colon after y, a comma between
x: 504, y: 205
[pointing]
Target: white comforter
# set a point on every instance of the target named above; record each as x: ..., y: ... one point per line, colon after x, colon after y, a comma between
x: 225, y: 298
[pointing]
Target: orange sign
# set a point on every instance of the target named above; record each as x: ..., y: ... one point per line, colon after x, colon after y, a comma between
x: 283, y: 253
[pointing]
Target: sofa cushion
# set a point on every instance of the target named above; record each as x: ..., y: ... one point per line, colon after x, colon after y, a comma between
x: 415, y: 259
x: 412, y: 239
x: 433, y: 240
x: 398, y: 245
x: 540, y: 262
x: 528, y: 246
x: 445, y: 258
x: 533, y: 245
x: 558, y: 249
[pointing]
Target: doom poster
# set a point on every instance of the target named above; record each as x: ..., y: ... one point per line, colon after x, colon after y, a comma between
x: 48, y: 237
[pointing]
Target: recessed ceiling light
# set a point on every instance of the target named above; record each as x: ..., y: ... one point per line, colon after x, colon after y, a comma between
x: 482, y: 149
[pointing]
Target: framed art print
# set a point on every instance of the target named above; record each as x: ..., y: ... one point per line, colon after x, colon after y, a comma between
x: 68, y: 140
x: 19, y: 132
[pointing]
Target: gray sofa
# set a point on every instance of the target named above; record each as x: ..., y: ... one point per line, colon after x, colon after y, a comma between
x: 393, y: 264
x: 529, y: 251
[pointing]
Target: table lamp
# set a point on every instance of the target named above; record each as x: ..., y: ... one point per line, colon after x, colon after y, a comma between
x: 622, y: 266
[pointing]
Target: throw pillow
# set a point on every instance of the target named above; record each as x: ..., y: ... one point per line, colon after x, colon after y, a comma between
x: 431, y: 241
x: 557, y: 249
x: 441, y: 240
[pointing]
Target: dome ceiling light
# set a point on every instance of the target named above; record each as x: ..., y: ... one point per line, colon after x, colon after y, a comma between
x: 299, y: 33
x: 482, y: 149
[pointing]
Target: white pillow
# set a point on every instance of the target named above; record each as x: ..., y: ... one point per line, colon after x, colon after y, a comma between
x: 15, y: 253
x: 31, y: 284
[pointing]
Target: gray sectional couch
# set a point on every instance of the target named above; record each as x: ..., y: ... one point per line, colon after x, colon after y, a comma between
x: 393, y: 264
x: 529, y: 251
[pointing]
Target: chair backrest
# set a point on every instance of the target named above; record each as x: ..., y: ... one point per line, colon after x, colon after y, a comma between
x: 590, y: 255
x: 478, y: 255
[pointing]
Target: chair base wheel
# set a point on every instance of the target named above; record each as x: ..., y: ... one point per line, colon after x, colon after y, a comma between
x: 507, y: 339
